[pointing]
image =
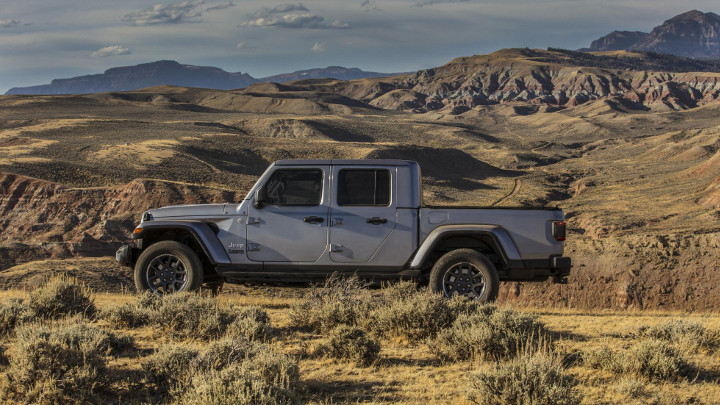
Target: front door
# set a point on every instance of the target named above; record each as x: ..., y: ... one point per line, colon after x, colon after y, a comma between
x: 362, y: 212
x: 292, y: 224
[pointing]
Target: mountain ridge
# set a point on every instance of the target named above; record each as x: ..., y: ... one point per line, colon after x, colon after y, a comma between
x: 691, y: 34
x: 169, y: 72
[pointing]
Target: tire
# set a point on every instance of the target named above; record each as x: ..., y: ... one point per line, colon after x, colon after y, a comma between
x: 465, y: 272
x: 167, y: 267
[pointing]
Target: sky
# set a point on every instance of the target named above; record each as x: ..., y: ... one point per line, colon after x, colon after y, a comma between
x: 41, y: 40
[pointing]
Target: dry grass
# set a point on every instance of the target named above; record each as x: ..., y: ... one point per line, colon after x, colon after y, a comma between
x: 404, y: 371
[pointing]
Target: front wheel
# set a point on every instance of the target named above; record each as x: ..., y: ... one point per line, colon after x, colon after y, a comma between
x: 167, y: 267
x: 465, y: 272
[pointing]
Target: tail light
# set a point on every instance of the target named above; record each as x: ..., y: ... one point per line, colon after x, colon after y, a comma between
x: 559, y: 230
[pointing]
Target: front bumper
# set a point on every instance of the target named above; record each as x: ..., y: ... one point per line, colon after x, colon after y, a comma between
x: 127, y: 255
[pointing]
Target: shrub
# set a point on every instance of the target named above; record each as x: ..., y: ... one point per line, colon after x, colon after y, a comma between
x: 191, y: 377
x: 531, y: 379
x: 604, y: 359
x: 169, y: 367
x: 652, y: 358
x: 190, y: 315
x: 350, y: 343
x: 126, y: 316
x: 689, y: 335
x: 250, y: 323
x: 62, y: 362
x: 222, y: 353
x: 61, y: 296
x: 655, y: 359
x: 339, y: 301
x: 488, y: 334
x: 414, y: 317
x: 632, y: 388
x: 235, y: 385
x: 13, y: 312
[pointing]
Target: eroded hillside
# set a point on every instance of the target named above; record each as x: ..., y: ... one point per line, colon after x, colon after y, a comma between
x: 634, y: 160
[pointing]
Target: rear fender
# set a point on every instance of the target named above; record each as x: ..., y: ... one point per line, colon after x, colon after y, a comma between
x: 501, y: 239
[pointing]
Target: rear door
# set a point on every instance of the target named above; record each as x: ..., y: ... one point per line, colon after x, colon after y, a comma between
x: 362, y: 211
x: 292, y: 225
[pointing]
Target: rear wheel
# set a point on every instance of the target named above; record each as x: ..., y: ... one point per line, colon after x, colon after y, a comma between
x: 167, y: 267
x: 465, y: 272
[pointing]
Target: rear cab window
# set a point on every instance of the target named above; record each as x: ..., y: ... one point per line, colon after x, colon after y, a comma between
x: 363, y: 187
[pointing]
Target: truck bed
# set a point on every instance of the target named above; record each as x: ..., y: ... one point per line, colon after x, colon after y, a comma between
x: 529, y: 228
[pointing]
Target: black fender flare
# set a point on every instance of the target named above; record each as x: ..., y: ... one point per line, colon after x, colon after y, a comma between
x: 201, y: 231
x: 501, y: 239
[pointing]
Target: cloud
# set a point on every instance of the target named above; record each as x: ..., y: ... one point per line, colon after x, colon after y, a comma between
x: 244, y: 46
x: 318, y: 47
x: 289, y: 16
x: 173, y: 13
x: 221, y: 6
x: 111, y: 50
x: 424, y: 3
x: 9, y: 23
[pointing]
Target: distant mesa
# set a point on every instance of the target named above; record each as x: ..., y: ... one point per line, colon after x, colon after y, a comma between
x: 168, y: 72
x: 693, y: 34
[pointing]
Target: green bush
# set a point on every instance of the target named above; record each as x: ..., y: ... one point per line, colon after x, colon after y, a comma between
x: 13, y: 312
x: 61, y: 296
x: 58, y: 363
x: 531, y: 379
x: 350, y: 343
x: 489, y: 334
x: 339, y: 301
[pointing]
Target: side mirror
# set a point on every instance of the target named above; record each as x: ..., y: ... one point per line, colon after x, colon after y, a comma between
x: 260, y: 197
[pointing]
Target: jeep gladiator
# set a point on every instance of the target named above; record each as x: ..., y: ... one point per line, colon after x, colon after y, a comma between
x: 305, y: 219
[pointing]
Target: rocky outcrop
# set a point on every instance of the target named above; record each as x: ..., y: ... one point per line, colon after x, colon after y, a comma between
x: 46, y: 219
x: 532, y: 76
x: 675, y: 271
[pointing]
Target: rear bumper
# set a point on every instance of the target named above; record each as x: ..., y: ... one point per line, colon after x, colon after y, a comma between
x: 127, y: 255
x: 560, y: 266
x: 557, y: 267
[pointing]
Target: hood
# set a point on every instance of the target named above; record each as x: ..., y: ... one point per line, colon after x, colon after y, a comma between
x: 193, y: 210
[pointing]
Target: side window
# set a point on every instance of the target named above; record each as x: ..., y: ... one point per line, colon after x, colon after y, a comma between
x: 364, y: 187
x: 295, y: 187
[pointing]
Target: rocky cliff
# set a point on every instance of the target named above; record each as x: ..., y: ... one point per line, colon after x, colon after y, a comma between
x: 694, y: 34
x: 535, y: 77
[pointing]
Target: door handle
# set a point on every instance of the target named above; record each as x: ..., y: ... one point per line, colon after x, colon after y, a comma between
x: 376, y: 220
x: 313, y: 219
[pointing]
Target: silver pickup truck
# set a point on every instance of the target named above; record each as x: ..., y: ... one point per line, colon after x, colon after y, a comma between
x: 304, y: 219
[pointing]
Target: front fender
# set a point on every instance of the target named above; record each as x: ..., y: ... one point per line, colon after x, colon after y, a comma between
x: 508, y: 250
x: 201, y: 231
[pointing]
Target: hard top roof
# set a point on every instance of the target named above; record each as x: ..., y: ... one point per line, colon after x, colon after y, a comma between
x: 377, y: 162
